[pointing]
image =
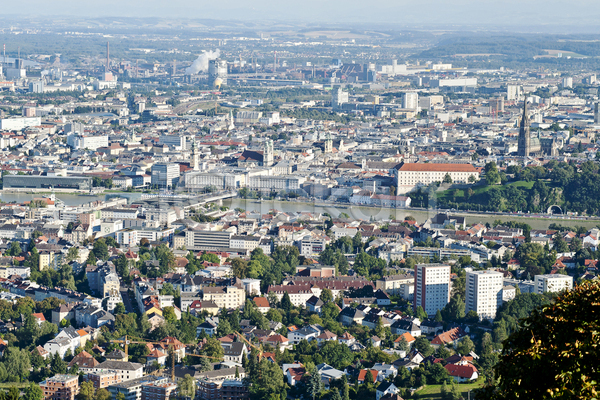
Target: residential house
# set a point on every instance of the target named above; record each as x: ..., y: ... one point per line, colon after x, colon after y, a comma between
x: 234, y: 351
x: 451, y: 336
x: 406, y: 326
x: 431, y: 327
x: 209, y: 327
x: 262, y: 304
x: 278, y: 341
x: 308, y: 333
x: 385, y: 371
x: 462, y: 373
x: 350, y: 315
x: 326, y: 336
x: 346, y: 339
x: 328, y: 373
x: 384, y: 389
x: 407, y: 337
x: 363, y: 373
x: 314, y: 304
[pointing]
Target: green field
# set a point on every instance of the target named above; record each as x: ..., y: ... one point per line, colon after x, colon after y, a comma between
x: 479, y: 189
x: 18, y: 385
x: 434, y: 391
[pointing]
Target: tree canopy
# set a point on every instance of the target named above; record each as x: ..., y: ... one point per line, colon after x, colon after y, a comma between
x: 555, y: 352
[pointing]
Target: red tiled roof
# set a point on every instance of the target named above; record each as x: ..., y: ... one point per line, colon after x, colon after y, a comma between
x: 363, y: 373
x: 461, y: 371
x: 261, y: 302
x: 448, y: 336
x: 427, y: 167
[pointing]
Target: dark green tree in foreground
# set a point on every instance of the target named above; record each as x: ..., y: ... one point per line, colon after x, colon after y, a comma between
x: 555, y: 352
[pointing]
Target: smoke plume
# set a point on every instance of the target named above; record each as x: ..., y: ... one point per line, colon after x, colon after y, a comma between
x: 201, y: 63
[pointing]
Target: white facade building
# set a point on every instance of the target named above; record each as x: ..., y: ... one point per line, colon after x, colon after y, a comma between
x: 87, y: 142
x: 484, y: 293
x: 552, y: 283
x: 410, y: 100
x: 412, y: 175
x: 19, y: 123
x: 513, y: 92
x: 432, y: 287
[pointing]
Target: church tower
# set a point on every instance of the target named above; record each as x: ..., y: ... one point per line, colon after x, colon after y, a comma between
x: 268, y: 153
x: 328, y: 144
x: 195, y: 155
x: 524, y: 136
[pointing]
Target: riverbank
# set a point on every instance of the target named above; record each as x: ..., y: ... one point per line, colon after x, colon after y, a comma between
x: 368, y: 213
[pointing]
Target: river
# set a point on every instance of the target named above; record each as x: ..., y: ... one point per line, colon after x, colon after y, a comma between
x: 379, y: 213
x: 68, y: 199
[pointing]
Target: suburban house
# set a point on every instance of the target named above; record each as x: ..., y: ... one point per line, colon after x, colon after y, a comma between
x: 462, y: 373
x: 309, y: 333
x: 350, y: 315
x: 385, y: 388
x: 451, y: 336
x: 402, y: 326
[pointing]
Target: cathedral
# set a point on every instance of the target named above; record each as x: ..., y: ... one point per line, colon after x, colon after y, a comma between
x: 535, y: 146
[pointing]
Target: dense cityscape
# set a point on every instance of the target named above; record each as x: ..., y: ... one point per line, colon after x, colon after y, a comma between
x: 231, y: 211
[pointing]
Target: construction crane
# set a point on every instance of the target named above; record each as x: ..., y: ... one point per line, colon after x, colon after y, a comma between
x: 259, y: 349
x: 170, y: 349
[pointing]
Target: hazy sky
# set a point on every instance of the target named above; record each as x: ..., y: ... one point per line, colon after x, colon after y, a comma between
x: 558, y: 13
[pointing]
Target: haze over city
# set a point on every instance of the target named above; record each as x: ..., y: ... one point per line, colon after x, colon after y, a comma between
x: 552, y: 16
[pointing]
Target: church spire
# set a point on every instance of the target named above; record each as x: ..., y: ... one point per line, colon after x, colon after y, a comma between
x: 524, y: 143
x: 195, y: 155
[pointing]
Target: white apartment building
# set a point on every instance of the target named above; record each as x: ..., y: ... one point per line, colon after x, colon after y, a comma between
x: 513, y: 92
x: 432, y: 287
x: 87, y: 142
x: 412, y: 175
x: 484, y: 293
x: 410, y: 100
x: 552, y: 283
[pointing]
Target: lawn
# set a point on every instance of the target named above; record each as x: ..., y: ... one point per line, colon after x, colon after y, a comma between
x: 434, y: 391
x: 19, y: 385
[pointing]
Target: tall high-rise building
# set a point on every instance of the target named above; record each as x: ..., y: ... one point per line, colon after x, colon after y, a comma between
x: 410, y: 101
x: 513, y: 92
x: 432, y: 287
x: 568, y: 82
x: 597, y: 113
x: 484, y: 293
x: 338, y: 97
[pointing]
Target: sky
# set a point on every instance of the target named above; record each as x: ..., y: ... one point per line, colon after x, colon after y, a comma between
x: 414, y: 13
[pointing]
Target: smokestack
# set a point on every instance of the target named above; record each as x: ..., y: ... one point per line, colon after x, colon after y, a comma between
x: 275, y: 62
x: 107, y: 57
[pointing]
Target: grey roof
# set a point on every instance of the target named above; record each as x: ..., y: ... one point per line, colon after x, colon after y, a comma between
x: 119, y: 365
